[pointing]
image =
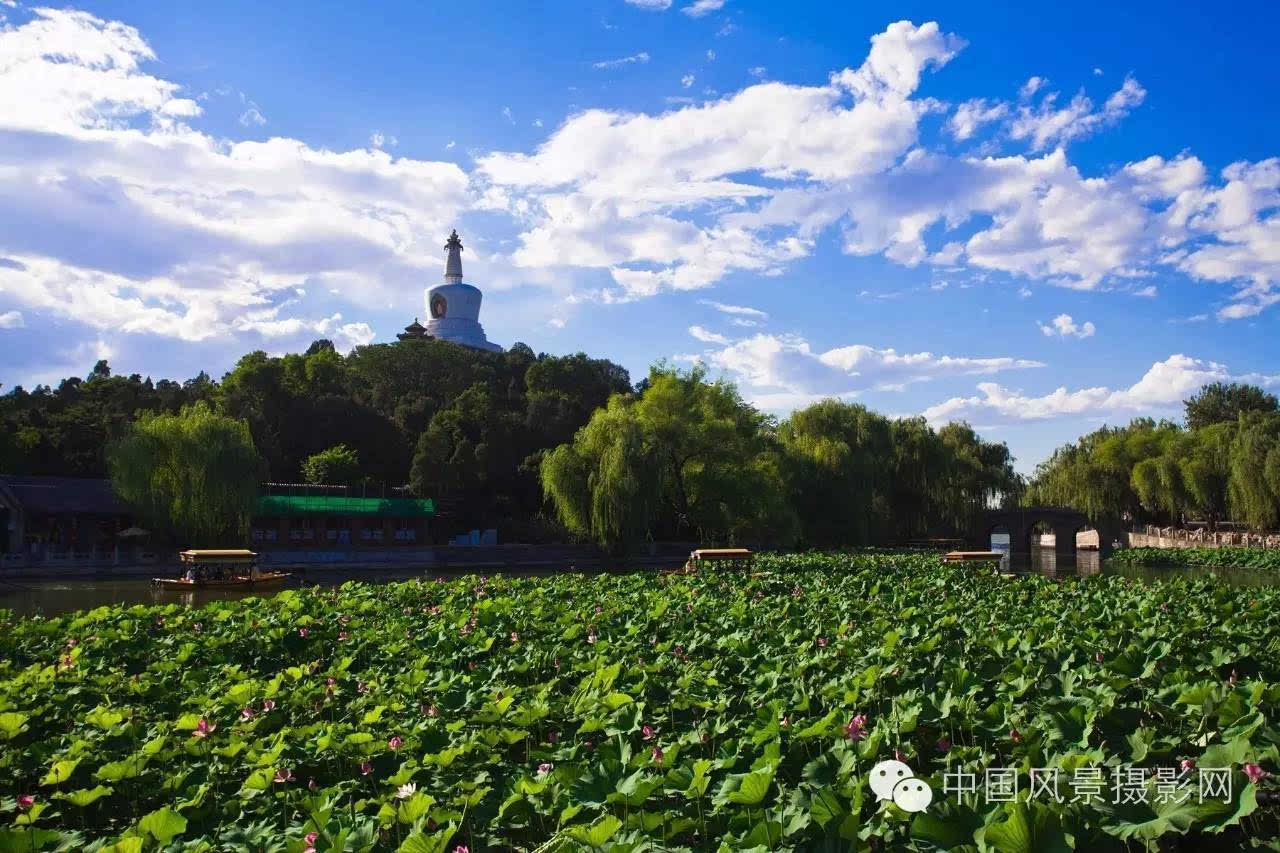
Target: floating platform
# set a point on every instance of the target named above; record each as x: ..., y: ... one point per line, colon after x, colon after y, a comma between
x: 973, y: 556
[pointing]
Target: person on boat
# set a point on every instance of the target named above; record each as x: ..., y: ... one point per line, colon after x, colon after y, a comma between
x: 189, y: 576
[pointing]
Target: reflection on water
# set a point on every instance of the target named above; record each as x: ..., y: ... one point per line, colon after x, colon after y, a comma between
x: 1046, y: 562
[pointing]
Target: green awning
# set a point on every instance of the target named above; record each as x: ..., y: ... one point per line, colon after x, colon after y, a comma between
x: 288, y: 506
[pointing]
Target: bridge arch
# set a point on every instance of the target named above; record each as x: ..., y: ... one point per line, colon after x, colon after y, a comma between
x: 1022, y: 522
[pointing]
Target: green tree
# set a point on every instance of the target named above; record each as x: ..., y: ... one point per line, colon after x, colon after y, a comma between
x: 338, y: 466
x: 687, y: 458
x: 193, y: 474
x: 1224, y: 402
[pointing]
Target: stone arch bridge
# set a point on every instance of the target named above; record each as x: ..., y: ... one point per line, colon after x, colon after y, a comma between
x: 1021, y: 523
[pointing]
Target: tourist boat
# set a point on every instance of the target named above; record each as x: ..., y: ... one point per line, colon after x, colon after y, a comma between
x: 219, y: 568
x: 726, y: 557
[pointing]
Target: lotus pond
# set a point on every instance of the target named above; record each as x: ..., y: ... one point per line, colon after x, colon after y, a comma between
x: 645, y: 712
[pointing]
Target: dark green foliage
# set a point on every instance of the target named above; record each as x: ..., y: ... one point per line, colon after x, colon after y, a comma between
x: 473, y: 425
x: 1225, y: 402
x: 698, y: 712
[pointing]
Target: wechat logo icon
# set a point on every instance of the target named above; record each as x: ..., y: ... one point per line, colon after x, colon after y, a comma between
x: 893, y: 780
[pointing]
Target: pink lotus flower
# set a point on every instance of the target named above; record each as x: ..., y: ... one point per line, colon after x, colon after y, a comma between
x: 310, y: 840
x: 856, y: 728
x: 342, y: 636
x: 311, y: 784
x: 1187, y: 765
x: 204, y: 728
x: 365, y: 768
x: 462, y: 848
x: 545, y: 767
x: 822, y: 642
x: 943, y: 744
x: 1099, y: 657
x: 362, y: 687
x: 1015, y: 736
x: 647, y: 732
x: 246, y: 713
x: 395, y: 743
x: 268, y: 705
x: 515, y: 636
x: 656, y: 755
x: 591, y: 638
x: 283, y: 774
x: 26, y: 801
x: 406, y: 791
x: 1255, y: 773
x: 303, y: 631
x: 199, y: 626
x: 1232, y: 679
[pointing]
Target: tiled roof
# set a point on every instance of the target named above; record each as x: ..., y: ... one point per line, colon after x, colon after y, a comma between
x: 72, y: 495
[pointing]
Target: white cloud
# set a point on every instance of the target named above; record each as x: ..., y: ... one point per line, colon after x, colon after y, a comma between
x: 711, y: 55
x: 350, y: 335
x: 687, y: 80
x: 1063, y: 326
x: 622, y: 191
x: 117, y: 215
x: 1148, y: 292
x: 735, y: 310
x: 1160, y: 389
x: 378, y: 139
x: 1046, y: 125
x: 1097, y: 72
x: 707, y: 336
x: 972, y: 114
x: 252, y: 117
x: 1033, y: 85
x: 702, y: 7
x: 640, y: 57
x: 508, y: 115
x: 757, y: 70
x: 11, y: 320
x: 783, y: 371
x: 651, y: 5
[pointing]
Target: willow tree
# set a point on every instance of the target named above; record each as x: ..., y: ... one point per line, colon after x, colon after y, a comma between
x: 193, y: 474
x: 1254, y: 484
x: 837, y: 471
x: 688, y: 458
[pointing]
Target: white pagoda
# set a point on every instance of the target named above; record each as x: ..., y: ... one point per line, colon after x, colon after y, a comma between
x: 454, y: 307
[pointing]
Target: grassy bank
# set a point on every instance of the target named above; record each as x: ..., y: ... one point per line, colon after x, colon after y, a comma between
x: 1243, y: 558
x: 637, y: 712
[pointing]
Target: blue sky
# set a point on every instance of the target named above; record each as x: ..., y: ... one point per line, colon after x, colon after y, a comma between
x: 1035, y: 220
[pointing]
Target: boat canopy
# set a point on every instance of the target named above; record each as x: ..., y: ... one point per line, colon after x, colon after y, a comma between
x: 218, y: 555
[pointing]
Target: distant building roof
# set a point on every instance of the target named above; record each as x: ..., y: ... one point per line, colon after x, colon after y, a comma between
x: 290, y: 506
x: 65, y: 495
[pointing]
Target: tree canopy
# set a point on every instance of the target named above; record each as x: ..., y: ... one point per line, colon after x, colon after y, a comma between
x: 1224, y: 465
x: 193, y: 474
x: 466, y: 427
x: 1225, y: 402
x: 338, y: 465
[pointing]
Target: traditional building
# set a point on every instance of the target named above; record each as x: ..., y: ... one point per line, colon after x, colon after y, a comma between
x: 415, y: 331
x: 454, y: 307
